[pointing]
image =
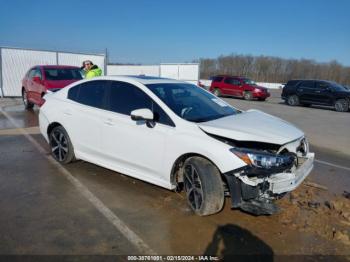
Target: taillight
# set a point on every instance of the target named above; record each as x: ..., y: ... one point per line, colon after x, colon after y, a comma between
x: 42, y: 102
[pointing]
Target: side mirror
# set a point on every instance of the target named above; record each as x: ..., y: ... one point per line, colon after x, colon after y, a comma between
x: 142, y: 114
x: 36, y: 79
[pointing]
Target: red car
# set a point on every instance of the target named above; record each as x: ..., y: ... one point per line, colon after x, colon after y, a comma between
x: 237, y: 86
x: 43, y: 78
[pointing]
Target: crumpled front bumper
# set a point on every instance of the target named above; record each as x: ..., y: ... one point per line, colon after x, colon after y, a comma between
x: 286, y: 182
x: 255, y: 195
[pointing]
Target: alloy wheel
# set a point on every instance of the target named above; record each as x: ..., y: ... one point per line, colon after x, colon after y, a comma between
x: 193, y: 187
x: 248, y: 96
x: 59, y: 145
x: 341, y: 105
x: 25, y: 98
x: 293, y: 100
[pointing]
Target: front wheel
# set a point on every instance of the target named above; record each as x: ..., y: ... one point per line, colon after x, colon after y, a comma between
x: 341, y: 105
x: 61, y: 146
x: 248, y: 96
x: 203, y: 186
x: 27, y: 104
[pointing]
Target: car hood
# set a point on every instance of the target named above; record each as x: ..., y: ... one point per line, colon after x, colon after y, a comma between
x: 345, y: 92
x: 253, y: 125
x: 50, y: 84
x: 260, y: 87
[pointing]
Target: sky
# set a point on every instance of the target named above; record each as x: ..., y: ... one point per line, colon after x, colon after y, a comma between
x: 162, y: 31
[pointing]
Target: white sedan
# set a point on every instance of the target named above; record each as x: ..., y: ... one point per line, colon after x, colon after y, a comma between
x: 180, y: 137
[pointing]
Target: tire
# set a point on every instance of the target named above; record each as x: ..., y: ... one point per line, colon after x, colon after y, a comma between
x: 203, y: 186
x: 217, y: 92
x: 248, y: 96
x: 61, y: 146
x: 341, y: 105
x: 27, y: 104
x: 293, y: 100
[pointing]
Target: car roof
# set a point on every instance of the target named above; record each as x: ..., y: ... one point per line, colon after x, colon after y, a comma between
x: 133, y: 79
x: 143, y: 79
x: 58, y: 67
x: 240, y: 77
x: 320, y: 80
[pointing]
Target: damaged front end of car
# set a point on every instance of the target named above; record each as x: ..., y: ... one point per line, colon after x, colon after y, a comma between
x: 270, y: 173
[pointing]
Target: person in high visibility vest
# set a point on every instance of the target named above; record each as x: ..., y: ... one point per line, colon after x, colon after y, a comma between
x: 90, y: 70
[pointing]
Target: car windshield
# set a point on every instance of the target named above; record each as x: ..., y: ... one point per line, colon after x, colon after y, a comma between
x: 63, y: 74
x: 192, y: 103
x: 249, y: 82
x: 338, y: 87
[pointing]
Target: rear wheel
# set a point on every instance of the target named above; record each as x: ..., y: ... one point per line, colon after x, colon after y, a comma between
x: 341, y: 105
x: 27, y: 104
x: 203, y: 186
x: 217, y: 92
x: 61, y: 146
x: 293, y: 100
x: 248, y: 96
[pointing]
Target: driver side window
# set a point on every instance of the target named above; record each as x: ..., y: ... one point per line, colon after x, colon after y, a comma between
x: 322, y: 85
x: 125, y: 97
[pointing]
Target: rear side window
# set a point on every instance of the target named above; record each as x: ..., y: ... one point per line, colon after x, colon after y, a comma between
x: 36, y: 72
x: 229, y: 80
x: 308, y: 84
x: 292, y: 83
x: 322, y: 85
x: 125, y: 97
x: 73, y: 93
x: 31, y: 73
x: 56, y: 74
x: 90, y: 93
x: 217, y: 78
x: 232, y: 81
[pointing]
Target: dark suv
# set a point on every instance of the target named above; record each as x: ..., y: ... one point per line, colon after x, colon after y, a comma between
x: 316, y: 92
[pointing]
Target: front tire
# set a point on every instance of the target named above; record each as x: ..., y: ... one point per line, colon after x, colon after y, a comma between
x: 61, y: 146
x: 248, y: 96
x: 293, y: 100
x: 203, y: 186
x: 341, y: 105
x: 27, y: 104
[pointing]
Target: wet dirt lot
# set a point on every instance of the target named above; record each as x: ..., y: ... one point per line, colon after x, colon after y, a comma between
x: 44, y: 212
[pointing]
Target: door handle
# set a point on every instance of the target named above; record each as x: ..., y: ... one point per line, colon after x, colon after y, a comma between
x: 109, y: 122
x: 67, y: 112
x: 317, y: 91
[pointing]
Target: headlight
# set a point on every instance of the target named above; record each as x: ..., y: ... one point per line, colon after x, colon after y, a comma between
x: 264, y: 160
x: 303, y: 148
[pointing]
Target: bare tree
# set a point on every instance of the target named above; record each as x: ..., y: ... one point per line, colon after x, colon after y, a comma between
x: 274, y: 69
